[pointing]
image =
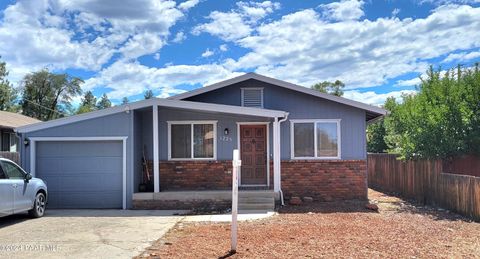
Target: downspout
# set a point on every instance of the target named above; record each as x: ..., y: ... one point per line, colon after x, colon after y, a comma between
x: 279, y: 125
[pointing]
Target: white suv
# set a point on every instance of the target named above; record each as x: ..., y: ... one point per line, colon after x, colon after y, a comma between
x: 20, y: 192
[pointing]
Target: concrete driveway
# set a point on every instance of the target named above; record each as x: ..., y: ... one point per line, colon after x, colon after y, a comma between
x: 83, y: 233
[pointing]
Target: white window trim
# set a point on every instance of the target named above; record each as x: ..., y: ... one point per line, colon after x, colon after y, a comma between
x: 314, y: 121
x: 252, y: 88
x: 191, y: 123
x: 33, y: 155
x: 267, y: 124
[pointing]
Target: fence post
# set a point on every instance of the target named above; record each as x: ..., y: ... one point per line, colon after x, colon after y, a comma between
x: 236, y: 163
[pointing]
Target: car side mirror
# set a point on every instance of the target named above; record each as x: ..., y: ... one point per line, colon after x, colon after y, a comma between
x: 28, y: 177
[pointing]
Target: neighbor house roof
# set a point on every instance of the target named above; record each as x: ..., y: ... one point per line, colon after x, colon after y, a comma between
x: 372, y: 111
x: 208, y: 107
x: 13, y: 120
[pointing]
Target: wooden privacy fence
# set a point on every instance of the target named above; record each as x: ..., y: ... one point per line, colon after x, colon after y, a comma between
x: 425, y: 182
x: 14, y: 156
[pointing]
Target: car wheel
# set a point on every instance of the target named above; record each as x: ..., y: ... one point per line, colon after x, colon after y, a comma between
x: 38, y: 206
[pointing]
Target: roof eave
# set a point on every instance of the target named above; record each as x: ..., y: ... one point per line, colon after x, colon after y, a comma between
x: 207, y: 107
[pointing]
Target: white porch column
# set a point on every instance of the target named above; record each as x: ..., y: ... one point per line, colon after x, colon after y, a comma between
x: 156, y: 167
x: 276, y: 156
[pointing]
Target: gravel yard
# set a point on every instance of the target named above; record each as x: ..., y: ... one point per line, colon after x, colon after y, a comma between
x: 399, y: 229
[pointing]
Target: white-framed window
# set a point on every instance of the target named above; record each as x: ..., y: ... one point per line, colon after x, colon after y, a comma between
x: 252, y: 97
x: 13, y: 142
x: 315, y: 139
x: 192, y: 140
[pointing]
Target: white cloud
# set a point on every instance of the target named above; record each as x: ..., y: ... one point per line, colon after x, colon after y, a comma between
x: 409, y: 82
x: 132, y: 78
x: 179, y: 37
x: 303, y: 48
x: 81, y: 34
x: 373, y: 98
x: 343, y: 10
x: 156, y: 56
x: 188, y: 4
x: 237, y: 23
x: 167, y: 92
x: 462, y: 56
x: 227, y: 26
x: 395, y: 12
x: 141, y: 44
x: 257, y: 10
x: 207, y: 53
x: 223, y: 47
x: 447, y: 2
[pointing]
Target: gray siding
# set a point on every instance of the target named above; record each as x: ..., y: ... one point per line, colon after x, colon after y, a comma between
x: 119, y: 124
x: 225, y: 146
x: 300, y: 106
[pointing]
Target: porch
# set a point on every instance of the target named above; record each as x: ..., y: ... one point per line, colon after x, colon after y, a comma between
x: 183, y: 157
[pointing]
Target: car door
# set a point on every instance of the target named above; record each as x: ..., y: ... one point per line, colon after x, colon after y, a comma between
x: 22, y: 193
x: 6, y: 195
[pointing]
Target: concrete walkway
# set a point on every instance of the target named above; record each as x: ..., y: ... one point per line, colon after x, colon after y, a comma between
x: 245, y: 216
x: 83, y: 233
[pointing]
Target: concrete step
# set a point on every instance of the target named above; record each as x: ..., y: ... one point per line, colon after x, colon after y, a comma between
x: 265, y: 207
x: 256, y: 194
x: 256, y: 200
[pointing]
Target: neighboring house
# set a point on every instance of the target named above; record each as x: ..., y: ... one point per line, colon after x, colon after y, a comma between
x: 293, y: 141
x: 8, y: 122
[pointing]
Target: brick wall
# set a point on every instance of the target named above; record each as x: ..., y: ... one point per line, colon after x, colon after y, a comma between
x: 198, y: 205
x: 195, y: 175
x: 325, y: 180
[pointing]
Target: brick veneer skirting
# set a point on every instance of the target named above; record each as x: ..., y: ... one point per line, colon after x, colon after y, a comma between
x: 325, y: 180
x: 202, y: 205
x: 195, y: 175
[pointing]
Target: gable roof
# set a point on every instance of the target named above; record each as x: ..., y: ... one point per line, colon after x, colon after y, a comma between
x: 188, y: 105
x: 12, y: 120
x: 373, y: 112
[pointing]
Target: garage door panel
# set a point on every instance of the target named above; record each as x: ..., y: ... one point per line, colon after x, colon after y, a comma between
x: 82, y: 174
x: 87, y: 183
x: 94, y: 148
x: 82, y: 200
x: 66, y: 165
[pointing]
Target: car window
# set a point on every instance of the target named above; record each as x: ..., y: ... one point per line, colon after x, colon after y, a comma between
x: 12, y: 171
x: 2, y: 174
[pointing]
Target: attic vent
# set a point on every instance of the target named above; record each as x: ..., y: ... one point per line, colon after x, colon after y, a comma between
x: 252, y: 97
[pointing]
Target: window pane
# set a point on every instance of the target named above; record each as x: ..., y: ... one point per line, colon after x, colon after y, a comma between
x: 303, y: 140
x: 327, y: 140
x: 11, y: 170
x: 203, y: 140
x: 13, y: 143
x: 181, y: 141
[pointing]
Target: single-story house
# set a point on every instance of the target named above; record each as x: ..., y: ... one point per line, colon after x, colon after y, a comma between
x: 293, y: 141
x: 8, y: 122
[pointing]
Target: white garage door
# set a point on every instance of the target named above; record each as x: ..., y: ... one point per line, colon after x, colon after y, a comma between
x: 81, y: 174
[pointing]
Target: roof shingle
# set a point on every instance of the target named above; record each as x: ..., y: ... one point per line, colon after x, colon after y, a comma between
x: 13, y: 120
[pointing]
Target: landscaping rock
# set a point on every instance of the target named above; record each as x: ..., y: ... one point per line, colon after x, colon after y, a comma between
x: 370, y: 206
x: 295, y: 201
x: 308, y: 199
x: 328, y: 198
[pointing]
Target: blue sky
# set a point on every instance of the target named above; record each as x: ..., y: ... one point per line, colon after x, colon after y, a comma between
x: 379, y: 48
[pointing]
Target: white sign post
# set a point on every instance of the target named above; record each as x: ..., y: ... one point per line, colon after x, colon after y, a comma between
x: 236, y: 163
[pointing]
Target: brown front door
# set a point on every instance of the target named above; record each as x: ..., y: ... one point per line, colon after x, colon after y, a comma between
x: 253, y: 152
